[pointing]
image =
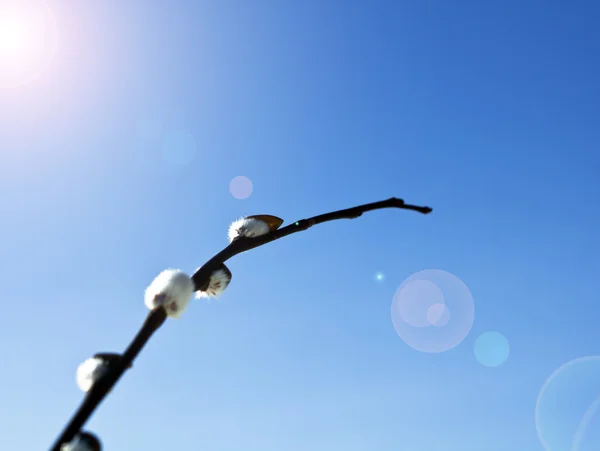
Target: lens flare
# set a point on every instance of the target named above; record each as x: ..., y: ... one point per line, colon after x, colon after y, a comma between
x: 241, y: 187
x: 432, y: 311
x: 491, y: 349
x: 438, y: 315
x: 567, y: 412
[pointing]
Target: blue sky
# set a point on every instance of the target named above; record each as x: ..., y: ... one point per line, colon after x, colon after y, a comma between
x: 486, y: 111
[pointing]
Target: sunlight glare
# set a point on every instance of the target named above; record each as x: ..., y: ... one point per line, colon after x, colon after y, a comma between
x: 28, y: 38
x: 15, y: 38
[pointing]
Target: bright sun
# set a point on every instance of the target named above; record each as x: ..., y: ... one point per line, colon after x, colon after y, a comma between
x: 28, y: 39
x: 15, y: 38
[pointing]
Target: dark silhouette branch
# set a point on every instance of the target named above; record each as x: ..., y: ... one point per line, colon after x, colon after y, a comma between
x: 100, y: 389
x: 243, y: 244
x: 201, y: 279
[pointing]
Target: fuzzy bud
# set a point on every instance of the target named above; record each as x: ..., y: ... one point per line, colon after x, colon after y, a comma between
x: 89, y: 372
x: 94, y: 368
x: 83, y: 442
x: 253, y: 226
x: 172, y: 289
x: 247, y: 227
x: 219, y: 280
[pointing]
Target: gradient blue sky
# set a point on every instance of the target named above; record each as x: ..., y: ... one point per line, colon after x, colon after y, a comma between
x: 486, y: 111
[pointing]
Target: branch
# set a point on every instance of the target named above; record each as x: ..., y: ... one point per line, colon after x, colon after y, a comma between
x: 99, y: 390
x: 212, y: 270
x: 243, y: 244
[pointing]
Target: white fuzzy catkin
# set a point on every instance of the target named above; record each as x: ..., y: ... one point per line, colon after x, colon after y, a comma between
x: 248, y: 227
x: 172, y: 289
x: 89, y: 372
x: 82, y: 442
x: 219, y: 280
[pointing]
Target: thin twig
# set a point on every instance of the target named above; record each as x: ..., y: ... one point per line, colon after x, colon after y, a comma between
x: 243, y: 244
x: 201, y: 279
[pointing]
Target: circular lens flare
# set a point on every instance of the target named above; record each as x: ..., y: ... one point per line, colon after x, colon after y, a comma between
x: 438, y: 315
x: 241, y: 187
x: 568, y: 405
x: 491, y: 349
x: 432, y: 311
x: 415, y: 299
